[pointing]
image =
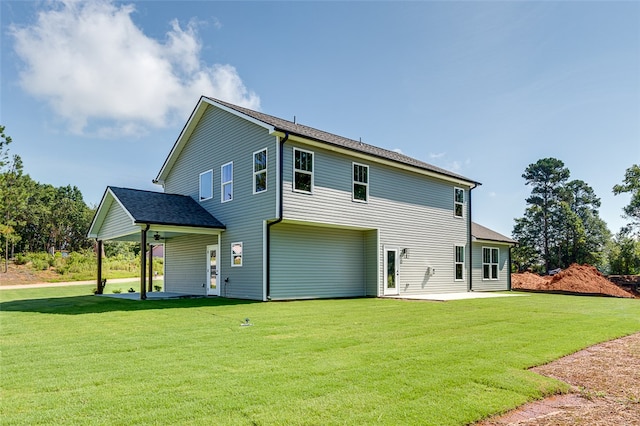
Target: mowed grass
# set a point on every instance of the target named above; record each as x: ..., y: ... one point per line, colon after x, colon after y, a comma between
x: 72, y: 358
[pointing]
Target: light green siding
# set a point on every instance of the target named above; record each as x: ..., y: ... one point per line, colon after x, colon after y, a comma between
x: 480, y: 284
x: 116, y: 223
x: 410, y: 211
x: 185, y: 263
x: 317, y: 262
x: 219, y: 138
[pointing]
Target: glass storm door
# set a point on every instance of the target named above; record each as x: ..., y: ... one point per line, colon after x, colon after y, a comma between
x: 390, y: 271
x: 213, y: 288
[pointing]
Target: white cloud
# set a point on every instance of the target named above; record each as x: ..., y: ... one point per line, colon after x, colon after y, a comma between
x: 438, y: 155
x: 398, y: 150
x: 92, y: 64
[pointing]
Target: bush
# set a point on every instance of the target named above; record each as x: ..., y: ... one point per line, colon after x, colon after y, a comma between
x: 20, y: 259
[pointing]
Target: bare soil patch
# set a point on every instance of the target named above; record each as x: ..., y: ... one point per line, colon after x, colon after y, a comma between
x: 605, y: 389
x: 22, y: 274
x: 577, y: 279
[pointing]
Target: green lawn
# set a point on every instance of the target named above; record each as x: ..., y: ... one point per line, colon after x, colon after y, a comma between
x: 72, y: 358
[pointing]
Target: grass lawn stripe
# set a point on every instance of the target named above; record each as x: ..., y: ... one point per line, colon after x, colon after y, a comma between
x: 72, y: 358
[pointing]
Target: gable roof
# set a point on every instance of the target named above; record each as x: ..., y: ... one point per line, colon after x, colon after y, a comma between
x: 480, y: 232
x: 140, y: 207
x: 275, y: 124
x: 158, y: 208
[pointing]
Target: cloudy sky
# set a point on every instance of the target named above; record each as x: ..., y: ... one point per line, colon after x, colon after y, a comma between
x: 96, y: 93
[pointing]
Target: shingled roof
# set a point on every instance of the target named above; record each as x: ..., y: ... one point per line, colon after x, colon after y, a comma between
x: 158, y: 208
x: 482, y: 233
x: 290, y: 127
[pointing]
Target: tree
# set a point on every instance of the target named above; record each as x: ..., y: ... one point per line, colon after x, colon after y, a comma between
x: 12, y: 195
x: 631, y: 184
x: 561, y: 224
x: 546, y: 177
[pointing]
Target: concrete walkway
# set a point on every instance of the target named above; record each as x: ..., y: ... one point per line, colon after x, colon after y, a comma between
x: 445, y: 297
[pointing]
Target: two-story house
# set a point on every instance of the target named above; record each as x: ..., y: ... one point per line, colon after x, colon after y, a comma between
x: 257, y: 207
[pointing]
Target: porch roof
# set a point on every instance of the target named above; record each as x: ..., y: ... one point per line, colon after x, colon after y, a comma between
x: 138, y: 207
x: 482, y: 233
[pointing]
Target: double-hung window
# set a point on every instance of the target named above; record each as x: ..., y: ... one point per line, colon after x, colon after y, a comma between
x: 459, y: 264
x: 458, y: 202
x: 360, y: 183
x: 226, y: 182
x: 260, y: 171
x: 206, y: 185
x: 490, y: 258
x: 236, y: 254
x: 302, y: 171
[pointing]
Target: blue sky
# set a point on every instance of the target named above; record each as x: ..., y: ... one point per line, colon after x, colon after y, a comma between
x: 96, y: 93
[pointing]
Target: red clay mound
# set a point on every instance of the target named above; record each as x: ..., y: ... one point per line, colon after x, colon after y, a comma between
x: 582, y: 279
x: 528, y: 281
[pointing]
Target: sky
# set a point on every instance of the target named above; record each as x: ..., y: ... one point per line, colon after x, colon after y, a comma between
x: 95, y: 93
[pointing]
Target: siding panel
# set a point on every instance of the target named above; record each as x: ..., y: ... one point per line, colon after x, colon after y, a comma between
x: 116, y: 223
x: 186, y: 263
x: 410, y: 210
x: 315, y: 262
x: 480, y: 284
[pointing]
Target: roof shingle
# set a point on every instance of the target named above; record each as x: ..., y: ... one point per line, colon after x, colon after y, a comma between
x: 159, y: 208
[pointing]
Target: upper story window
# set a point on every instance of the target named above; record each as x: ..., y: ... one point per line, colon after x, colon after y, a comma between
x: 490, y: 258
x: 458, y: 202
x: 260, y: 171
x: 459, y: 264
x: 302, y: 171
x: 206, y: 185
x: 360, y: 183
x: 226, y: 182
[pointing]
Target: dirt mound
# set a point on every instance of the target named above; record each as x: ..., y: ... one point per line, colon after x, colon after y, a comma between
x: 528, y: 281
x: 582, y: 279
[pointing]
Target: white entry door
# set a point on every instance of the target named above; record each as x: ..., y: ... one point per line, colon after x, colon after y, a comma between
x: 213, y: 286
x: 391, y: 271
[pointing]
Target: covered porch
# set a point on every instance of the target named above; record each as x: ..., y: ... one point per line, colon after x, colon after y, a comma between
x: 149, y: 218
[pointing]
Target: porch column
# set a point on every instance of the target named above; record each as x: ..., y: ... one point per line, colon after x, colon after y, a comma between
x: 99, y: 288
x: 150, y: 268
x: 143, y: 262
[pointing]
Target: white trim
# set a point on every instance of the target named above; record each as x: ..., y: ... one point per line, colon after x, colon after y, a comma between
x: 103, y: 211
x: 497, y: 277
x: 233, y: 265
x: 218, y: 269
x: 200, y: 198
x: 354, y: 183
x: 455, y: 261
x: 374, y: 159
x: 265, y: 170
x: 313, y: 169
x: 223, y: 183
x: 385, y: 265
x: 455, y: 202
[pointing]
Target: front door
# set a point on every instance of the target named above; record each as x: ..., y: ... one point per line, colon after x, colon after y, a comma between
x: 213, y: 287
x: 390, y: 271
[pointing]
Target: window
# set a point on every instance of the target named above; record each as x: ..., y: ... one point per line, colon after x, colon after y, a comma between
x: 236, y: 254
x: 206, y: 185
x: 302, y: 171
x: 459, y: 263
x: 490, y: 258
x: 458, y: 201
x: 360, y: 182
x: 226, y: 182
x: 260, y: 171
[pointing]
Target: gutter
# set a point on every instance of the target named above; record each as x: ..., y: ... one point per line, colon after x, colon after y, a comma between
x: 280, y: 213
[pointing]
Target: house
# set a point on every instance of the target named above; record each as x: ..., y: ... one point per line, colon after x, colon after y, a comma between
x: 257, y: 207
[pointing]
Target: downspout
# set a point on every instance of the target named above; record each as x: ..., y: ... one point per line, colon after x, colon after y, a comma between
x: 509, y: 272
x: 280, y: 212
x: 470, y: 242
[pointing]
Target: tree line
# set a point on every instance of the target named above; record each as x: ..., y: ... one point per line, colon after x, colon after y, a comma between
x: 36, y: 216
x: 561, y: 224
